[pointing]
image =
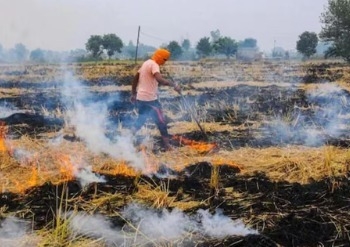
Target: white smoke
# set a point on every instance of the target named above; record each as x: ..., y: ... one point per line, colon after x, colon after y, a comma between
x: 220, y: 226
x: 313, y: 126
x: 96, y: 226
x: 13, y: 233
x: 7, y: 109
x: 83, y: 172
x: 23, y: 156
x: 89, y: 117
x: 155, y: 227
x: 86, y: 176
x: 163, y: 225
x: 332, y: 98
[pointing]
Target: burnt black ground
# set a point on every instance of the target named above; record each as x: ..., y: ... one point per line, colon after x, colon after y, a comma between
x: 288, y: 214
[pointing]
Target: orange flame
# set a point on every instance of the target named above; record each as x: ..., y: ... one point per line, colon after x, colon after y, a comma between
x: 34, y: 179
x: 201, y: 147
x: 221, y: 161
x: 3, y: 131
x: 66, y: 168
x: 124, y: 169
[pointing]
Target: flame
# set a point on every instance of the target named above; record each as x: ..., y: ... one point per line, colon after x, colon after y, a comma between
x: 123, y: 168
x: 201, y: 147
x: 30, y: 179
x: 66, y: 167
x: 221, y: 161
x: 34, y: 179
x: 3, y: 131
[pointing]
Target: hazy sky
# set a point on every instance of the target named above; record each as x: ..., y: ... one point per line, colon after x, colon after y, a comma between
x: 67, y: 24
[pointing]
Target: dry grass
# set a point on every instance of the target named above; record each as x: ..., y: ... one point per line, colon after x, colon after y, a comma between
x: 292, y: 164
x: 47, y: 162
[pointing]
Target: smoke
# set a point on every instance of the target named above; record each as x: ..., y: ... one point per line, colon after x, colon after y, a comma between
x: 86, y: 176
x: 333, y: 100
x: 162, y: 225
x: 312, y: 126
x: 82, y: 172
x: 6, y: 109
x: 89, y: 117
x: 96, y: 226
x: 23, y: 156
x: 13, y: 233
x: 158, y: 226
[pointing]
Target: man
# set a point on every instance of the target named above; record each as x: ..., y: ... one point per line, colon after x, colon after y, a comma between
x: 145, y: 93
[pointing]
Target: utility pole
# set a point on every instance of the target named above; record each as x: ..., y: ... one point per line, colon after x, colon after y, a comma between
x: 137, y: 44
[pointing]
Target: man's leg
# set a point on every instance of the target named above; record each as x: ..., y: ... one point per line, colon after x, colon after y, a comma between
x: 143, y: 113
x: 160, y: 121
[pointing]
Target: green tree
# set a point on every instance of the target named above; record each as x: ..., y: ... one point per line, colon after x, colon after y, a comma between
x: 307, y: 43
x: 225, y: 46
x: 130, y: 49
x: 175, y: 49
x: 204, y: 47
x: 248, y: 43
x: 215, y: 35
x: 94, y: 45
x: 37, y: 55
x: 20, y: 52
x: 336, y: 29
x: 112, y: 43
x: 186, y: 44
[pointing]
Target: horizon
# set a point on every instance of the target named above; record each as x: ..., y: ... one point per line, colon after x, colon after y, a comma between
x: 65, y: 26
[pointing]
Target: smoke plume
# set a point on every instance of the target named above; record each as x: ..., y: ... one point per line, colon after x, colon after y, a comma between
x: 149, y: 226
x: 14, y: 233
x: 89, y: 115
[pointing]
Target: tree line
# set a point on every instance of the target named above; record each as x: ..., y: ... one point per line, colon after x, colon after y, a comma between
x: 335, y: 33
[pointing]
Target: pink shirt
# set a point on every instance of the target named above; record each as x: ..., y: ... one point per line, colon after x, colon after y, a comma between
x: 147, y: 88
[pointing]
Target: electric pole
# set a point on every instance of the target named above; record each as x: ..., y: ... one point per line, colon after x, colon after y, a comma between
x: 137, y: 44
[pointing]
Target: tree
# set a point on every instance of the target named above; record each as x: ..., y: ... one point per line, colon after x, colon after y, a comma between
x: 112, y: 43
x: 226, y: 46
x: 336, y: 29
x: 248, y: 43
x: 307, y: 43
x: 204, y: 47
x: 175, y: 49
x: 186, y: 44
x: 37, y: 55
x: 77, y: 55
x: 95, y: 45
x: 129, y: 50
x: 20, y: 52
x: 215, y: 35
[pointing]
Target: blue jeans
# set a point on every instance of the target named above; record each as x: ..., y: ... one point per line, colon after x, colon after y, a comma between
x: 153, y: 110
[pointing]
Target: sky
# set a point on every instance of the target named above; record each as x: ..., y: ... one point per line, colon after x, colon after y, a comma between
x: 63, y: 25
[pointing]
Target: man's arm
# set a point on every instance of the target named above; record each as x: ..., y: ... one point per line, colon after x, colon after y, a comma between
x: 163, y: 81
x: 134, y: 84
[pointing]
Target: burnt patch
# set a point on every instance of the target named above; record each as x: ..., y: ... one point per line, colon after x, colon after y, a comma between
x: 289, y: 214
x: 31, y: 124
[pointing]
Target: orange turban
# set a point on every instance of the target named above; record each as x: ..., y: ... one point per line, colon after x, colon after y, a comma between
x: 160, y: 56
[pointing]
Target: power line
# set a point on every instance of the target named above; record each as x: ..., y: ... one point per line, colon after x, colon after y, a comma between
x: 153, y: 37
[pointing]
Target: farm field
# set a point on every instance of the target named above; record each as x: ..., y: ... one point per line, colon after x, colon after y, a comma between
x: 261, y: 156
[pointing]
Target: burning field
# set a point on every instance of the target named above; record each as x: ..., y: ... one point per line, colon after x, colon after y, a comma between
x: 261, y: 156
